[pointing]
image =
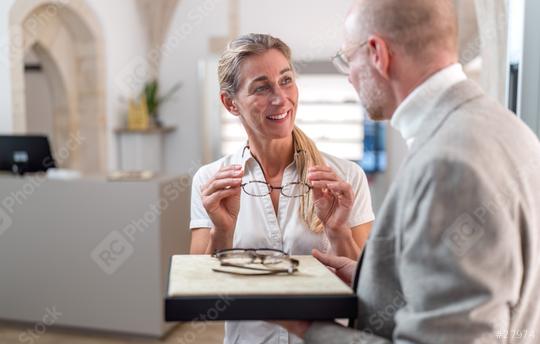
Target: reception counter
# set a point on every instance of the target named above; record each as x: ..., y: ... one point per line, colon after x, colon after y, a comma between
x: 95, y: 251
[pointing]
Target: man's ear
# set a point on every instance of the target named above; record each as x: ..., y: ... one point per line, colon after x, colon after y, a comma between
x: 229, y: 103
x: 380, y: 55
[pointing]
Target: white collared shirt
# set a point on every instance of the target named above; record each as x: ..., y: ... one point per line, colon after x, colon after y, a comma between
x: 409, y: 116
x: 259, y: 227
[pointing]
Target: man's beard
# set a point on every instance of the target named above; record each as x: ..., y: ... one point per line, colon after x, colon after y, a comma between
x: 373, y: 93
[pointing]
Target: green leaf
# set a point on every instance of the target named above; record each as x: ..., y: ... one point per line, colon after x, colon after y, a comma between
x: 153, y: 100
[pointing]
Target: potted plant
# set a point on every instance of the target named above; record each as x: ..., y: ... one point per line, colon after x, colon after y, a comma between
x: 154, y: 100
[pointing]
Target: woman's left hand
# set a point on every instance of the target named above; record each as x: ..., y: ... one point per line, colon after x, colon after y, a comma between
x: 333, y: 199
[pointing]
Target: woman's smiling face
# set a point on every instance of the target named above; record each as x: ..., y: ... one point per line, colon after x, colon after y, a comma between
x: 267, y: 96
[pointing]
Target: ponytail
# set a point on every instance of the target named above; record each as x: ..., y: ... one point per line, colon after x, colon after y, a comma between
x: 307, y: 155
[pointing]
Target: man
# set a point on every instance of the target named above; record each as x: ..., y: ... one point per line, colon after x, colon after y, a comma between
x: 454, y: 256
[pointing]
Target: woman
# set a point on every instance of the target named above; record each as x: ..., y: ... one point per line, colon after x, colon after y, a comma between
x: 229, y: 209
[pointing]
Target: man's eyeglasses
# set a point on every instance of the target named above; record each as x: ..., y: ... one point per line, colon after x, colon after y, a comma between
x: 266, y: 261
x: 259, y: 188
x: 341, y: 62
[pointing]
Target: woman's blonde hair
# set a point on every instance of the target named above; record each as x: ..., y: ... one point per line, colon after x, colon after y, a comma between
x: 306, y: 152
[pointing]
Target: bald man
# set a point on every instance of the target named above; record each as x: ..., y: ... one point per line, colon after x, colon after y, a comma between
x: 454, y: 256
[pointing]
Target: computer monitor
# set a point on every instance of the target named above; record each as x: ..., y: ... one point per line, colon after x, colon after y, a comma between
x: 22, y: 154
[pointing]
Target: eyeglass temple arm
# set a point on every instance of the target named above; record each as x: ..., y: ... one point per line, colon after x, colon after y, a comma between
x: 266, y: 272
x: 294, y: 268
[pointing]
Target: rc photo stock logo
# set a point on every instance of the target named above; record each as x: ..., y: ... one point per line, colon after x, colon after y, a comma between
x: 131, y: 79
x: 34, y: 334
x: 5, y: 221
x: 464, y: 233
x: 112, y: 252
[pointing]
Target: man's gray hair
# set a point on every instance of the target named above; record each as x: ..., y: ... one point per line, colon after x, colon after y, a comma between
x: 419, y: 26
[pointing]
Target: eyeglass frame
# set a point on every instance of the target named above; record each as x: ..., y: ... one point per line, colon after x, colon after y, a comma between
x: 251, y: 252
x: 272, y: 188
x: 341, y: 63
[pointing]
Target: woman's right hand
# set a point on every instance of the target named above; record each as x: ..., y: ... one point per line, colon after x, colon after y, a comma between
x: 221, y: 198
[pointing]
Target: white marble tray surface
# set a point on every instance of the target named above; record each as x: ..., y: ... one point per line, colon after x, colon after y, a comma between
x: 192, y: 275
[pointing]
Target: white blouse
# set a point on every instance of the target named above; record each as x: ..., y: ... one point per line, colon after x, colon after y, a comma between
x: 259, y: 227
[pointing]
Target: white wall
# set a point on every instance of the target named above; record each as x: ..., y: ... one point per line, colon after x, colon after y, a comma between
x: 5, y: 80
x: 194, y: 23
x: 313, y: 28
x: 125, y: 45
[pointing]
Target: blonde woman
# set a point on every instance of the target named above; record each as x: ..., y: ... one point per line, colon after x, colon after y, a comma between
x: 278, y: 191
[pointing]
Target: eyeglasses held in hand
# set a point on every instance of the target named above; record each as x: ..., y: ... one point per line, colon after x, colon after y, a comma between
x: 259, y: 188
x: 265, y: 261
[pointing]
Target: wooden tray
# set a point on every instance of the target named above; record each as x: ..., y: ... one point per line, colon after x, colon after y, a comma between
x: 196, y: 293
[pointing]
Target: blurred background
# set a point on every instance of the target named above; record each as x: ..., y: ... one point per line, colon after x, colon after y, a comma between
x: 126, y: 93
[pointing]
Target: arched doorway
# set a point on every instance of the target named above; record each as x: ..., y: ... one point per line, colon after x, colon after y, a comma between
x: 65, y: 38
x: 46, y: 103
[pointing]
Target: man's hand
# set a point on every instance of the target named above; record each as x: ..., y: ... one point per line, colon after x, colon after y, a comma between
x: 343, y: 267
x: 296, y: 327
